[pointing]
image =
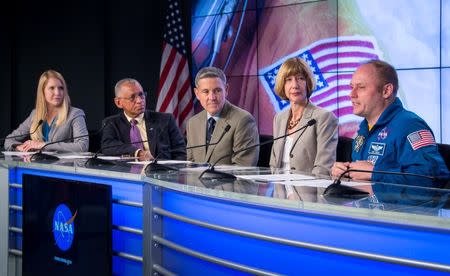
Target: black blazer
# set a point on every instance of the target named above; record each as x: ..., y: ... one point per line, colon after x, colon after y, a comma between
x: 165, y: 139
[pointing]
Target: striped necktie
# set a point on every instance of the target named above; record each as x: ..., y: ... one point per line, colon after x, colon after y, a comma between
x: 135, y: 135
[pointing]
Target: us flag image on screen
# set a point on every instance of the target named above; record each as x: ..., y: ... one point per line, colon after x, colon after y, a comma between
x: 333, y: 61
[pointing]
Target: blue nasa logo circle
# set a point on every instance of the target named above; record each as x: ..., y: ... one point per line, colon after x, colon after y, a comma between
x: 63, y: 227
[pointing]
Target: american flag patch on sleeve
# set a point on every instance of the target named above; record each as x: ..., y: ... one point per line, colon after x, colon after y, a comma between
x: 421, y: 138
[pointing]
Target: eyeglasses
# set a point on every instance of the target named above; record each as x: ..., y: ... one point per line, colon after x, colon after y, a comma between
x: 133, y: 97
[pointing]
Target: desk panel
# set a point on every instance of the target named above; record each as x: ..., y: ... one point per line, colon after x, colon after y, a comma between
x: 292, y: 233
x: 126, y: 212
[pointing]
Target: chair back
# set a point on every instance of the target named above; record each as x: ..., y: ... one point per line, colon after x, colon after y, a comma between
x: 344, y: 149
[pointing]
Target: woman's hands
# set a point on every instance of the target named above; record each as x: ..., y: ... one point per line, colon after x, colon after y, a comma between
x: 30, y: 145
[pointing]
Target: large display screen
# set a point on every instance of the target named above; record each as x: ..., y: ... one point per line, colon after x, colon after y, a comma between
x: 66, y: 227
x: 250, y: 39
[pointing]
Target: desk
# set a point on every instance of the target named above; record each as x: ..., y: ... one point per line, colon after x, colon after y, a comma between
x: 172, y: 222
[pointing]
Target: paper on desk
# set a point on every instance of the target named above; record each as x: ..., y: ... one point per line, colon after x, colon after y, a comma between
x: 217, y: 168
x: 25, y: 153
x: 18, y: 153
x: 161, y: 162
x: 231, y: 168
x: 194, y: 169
x: 321, y: 183
x: 99, y: 157
x: 276, y: 177
x: 84, y: 156
x: 73, y: 156
x: 115, y: 157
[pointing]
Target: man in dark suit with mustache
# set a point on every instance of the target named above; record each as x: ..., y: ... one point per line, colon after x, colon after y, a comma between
x: 123, y: 132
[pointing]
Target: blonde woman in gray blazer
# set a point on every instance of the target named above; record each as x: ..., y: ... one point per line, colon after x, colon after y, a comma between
x: 53, y: 119
x: 314, y: 149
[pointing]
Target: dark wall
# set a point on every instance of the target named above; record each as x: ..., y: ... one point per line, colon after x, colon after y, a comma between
x: 92, y: 43
x: 5, y: 73
x: 135, y: 35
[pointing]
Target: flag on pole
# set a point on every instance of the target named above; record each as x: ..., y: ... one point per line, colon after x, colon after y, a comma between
x: 175, y: 91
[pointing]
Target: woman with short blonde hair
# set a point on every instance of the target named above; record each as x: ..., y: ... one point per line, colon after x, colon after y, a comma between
x: 313, y: 149
x: 309, y: 147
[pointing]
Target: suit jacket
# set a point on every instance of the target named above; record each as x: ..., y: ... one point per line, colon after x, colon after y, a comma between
x: 315, y: 150
x: 74, y: 126
x: 165, y: 139
x: 243, y: 133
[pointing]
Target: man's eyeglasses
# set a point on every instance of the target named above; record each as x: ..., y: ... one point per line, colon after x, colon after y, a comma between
x: 133, y: 97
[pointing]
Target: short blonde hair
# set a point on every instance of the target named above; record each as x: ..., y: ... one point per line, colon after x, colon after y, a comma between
x: 41, y: 104
x: 291, y: 67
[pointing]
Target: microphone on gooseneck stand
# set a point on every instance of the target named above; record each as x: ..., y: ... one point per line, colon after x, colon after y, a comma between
x: 342, y: 191
x: 211, y: 173
x: 154, y: 166
x: 336, y: 189
x: 24, y: 134
x: 40, y: 156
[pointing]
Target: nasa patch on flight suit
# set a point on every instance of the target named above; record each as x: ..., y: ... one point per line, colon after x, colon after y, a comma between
x: 383, y: 134
x: 359, y: 141
x: 377, y: 148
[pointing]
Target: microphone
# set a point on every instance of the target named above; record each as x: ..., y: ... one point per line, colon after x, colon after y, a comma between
x: 24, y: 134
x: 338, y: 190
x: 212, y: 173
x: 40, y: 156
x: 154, y: 166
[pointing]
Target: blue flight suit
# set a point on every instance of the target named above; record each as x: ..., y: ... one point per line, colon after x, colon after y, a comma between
x: 400, y: 141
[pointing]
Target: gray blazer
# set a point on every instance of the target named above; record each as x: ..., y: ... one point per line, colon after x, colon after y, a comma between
x: 74, y: 126
x: 243, y: 133
x: 315, y: 150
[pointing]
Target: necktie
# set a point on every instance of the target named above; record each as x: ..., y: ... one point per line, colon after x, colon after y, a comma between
x: 210, y: 130
x: 136, y: 169
x: 135, y: 135
x: 265, y: 189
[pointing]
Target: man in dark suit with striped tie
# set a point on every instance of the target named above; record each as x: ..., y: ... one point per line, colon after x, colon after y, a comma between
x: 140, y: 133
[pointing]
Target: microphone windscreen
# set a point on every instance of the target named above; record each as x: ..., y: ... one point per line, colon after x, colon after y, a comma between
x: 311, y: 122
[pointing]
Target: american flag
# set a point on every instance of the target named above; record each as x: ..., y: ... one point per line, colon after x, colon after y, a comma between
x: 421, y: 138
x: 175, y: 92
x: 333, y: 61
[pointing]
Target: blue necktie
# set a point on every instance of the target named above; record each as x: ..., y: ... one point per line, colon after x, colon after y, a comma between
x: 210, y: 130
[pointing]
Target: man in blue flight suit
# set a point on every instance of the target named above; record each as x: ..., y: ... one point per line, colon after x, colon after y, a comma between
x: 390, y: 138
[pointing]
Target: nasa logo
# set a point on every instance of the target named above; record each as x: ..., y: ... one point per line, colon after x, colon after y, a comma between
x: 63, y: 227
x: 383, y: 134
